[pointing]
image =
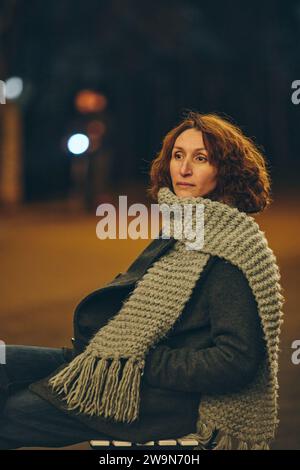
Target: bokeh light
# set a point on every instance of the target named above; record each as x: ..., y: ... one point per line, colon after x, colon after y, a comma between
x: 14, y: 88
x: 89, y: 101
x: 78, y: 144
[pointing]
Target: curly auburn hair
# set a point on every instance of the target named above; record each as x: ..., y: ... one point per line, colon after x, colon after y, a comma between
x: 243, y: 179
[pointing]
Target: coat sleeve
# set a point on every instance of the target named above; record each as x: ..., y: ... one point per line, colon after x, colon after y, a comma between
x: 238, y: 343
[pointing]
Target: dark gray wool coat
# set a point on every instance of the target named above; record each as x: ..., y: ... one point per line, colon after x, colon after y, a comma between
x: 215, y: 346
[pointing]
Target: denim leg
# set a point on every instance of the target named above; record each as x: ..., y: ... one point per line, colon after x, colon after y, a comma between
x: 27, y: 420
x: 26, y: 364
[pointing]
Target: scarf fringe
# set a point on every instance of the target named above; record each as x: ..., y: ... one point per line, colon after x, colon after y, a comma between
x: 204, y: 433
x: 263, y: 445
x: 92, y: 384
x: 242, y: 445
x: 205, y: 437
x: 225, y: 443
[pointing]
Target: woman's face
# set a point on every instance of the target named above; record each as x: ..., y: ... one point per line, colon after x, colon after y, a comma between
x: 189, y: 164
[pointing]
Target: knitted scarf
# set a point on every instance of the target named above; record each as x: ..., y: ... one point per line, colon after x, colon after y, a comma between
x: 105, y: 378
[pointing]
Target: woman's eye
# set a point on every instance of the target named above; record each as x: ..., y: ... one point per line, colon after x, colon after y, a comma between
x: 197, y: 157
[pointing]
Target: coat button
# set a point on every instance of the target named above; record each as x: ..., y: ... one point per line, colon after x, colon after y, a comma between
x: 73, y: 340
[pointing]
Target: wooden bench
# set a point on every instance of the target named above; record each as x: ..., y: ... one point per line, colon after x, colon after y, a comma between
x: 178, y: 444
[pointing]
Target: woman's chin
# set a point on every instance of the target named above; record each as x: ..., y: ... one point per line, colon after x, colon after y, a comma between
x: 186, y: 192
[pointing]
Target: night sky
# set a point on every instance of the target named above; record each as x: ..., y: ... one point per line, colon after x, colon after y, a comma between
x: 153, y: 61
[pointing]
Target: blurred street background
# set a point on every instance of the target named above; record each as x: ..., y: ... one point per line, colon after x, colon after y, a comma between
x: 91, y: 89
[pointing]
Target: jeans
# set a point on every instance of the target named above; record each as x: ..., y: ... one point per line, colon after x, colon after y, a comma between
x: 27, y: 420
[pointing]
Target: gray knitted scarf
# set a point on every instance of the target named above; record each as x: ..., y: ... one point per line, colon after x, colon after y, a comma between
x: 105, y: 378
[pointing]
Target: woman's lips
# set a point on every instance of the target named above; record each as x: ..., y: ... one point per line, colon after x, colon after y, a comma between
x: 185, y: 184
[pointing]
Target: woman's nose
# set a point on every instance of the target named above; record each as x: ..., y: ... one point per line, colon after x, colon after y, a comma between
x: 185, y: 168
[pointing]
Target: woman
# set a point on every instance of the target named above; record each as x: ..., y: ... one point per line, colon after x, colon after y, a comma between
x: 186, y: 341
